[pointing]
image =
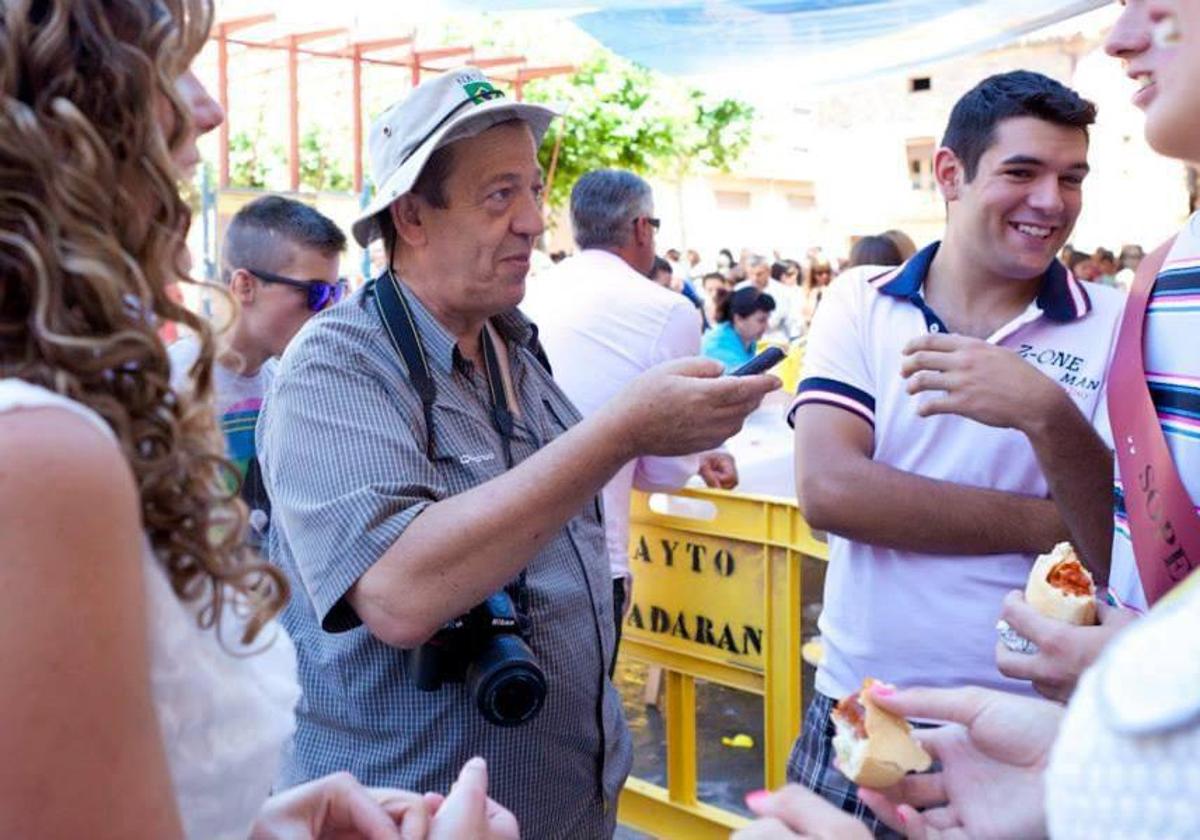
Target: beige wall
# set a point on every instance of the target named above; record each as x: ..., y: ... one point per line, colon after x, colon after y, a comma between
x: 736, y: 212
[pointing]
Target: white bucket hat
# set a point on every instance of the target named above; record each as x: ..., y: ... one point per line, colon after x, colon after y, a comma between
x: 458, y: 104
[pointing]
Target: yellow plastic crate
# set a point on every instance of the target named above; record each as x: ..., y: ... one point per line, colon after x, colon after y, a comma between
x: 789, y: 369
x: 717, y: 596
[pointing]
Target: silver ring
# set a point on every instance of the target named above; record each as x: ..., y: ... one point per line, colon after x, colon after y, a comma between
x: 1013, y: 640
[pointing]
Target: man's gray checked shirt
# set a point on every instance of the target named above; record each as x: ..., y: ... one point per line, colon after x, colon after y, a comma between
x: 342, y: 444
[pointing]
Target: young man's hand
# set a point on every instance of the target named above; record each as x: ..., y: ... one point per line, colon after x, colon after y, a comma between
x: 982, y: 381
x: 1064, y: 650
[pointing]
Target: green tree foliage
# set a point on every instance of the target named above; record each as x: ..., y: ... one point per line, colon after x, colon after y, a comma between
x: 719, y: 132
x: 258, y: 163
x: 319, y: 169
x: 253, y: 162
x: 620, y: 115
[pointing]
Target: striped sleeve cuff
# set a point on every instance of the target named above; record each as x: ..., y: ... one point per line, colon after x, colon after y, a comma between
x: 816, y: 389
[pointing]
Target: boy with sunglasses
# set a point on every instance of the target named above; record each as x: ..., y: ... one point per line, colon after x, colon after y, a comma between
x: 279, y: 259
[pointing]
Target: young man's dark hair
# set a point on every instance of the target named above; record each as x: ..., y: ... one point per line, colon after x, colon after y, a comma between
x: 1021, y: 93
x: 253, y: 238
x: 778, y: 269
x: 660, y: 265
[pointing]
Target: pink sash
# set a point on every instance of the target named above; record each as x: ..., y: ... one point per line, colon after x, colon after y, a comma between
x: 1162, y: 518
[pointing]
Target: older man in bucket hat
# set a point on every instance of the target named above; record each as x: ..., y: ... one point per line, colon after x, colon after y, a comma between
x: 436, y: 494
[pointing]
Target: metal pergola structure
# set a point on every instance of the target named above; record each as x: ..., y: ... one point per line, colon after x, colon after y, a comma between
x: 338, y: 43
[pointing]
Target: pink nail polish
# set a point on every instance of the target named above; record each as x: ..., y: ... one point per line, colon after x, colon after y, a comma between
x: 882, y: 690
x: 903, y: 816
x: 756, y: 798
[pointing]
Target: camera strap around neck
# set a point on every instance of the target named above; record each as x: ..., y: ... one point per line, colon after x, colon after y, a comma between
x: 1163, y: 524
x: 401, y: 330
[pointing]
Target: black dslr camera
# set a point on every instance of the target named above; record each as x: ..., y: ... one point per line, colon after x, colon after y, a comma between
x: 484, y: 649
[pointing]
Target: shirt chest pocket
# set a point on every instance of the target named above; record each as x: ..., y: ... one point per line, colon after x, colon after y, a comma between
x: 464, y: 448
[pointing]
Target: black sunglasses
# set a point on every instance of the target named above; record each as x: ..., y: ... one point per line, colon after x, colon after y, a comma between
x: 654, y: 223
x: 320, y: 293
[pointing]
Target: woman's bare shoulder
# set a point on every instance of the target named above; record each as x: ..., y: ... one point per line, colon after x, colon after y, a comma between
x: 61, y: 475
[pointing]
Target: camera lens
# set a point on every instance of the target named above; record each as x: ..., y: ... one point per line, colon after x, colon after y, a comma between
x: 508, y: 685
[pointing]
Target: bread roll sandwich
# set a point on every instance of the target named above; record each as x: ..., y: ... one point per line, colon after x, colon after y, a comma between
x: 1061, y: 587
x: 874, y: 748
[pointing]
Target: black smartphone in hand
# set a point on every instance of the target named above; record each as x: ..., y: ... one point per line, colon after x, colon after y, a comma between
x: 761, y: 363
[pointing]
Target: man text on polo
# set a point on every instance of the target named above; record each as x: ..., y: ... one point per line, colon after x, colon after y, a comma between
x: 412, y: 485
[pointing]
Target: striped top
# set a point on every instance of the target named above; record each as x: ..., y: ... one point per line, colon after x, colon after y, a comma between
x: 1173, y: 373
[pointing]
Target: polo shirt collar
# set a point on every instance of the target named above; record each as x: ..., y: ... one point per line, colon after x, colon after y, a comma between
x: 1061, y: 297
x: 442, y: 348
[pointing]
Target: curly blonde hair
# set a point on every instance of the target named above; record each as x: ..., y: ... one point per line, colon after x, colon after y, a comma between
x: 91, y: 236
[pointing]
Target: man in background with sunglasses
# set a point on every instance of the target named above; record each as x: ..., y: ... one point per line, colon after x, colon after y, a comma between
x: 279, y: 259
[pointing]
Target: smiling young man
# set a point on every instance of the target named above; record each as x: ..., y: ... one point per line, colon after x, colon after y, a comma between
x: 944, y: 402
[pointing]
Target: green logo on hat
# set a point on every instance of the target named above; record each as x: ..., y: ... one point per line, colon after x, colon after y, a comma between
x: 481, y: 91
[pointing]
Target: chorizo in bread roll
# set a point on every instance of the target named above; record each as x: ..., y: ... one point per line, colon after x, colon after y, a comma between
x: 874, y: 748
x: 1061, y: 587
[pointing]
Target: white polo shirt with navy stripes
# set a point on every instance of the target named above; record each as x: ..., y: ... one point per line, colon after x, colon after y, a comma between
x: 1172, y: 339
x: 912, y: 618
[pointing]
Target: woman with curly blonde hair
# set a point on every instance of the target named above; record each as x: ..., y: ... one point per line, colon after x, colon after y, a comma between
x: 145, y: 690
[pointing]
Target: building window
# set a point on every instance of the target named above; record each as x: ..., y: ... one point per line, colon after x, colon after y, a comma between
x: 920, y: 83
x: 920, y: 163
x: 733, y: 200
x: 801, y: 201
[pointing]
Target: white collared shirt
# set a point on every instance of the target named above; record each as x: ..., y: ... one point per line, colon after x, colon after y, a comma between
x: 911, y: 618
x: 602, y: 324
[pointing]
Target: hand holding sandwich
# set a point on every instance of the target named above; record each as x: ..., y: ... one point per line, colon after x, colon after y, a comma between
x: 1064, y: 650
x: 993, y: 753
